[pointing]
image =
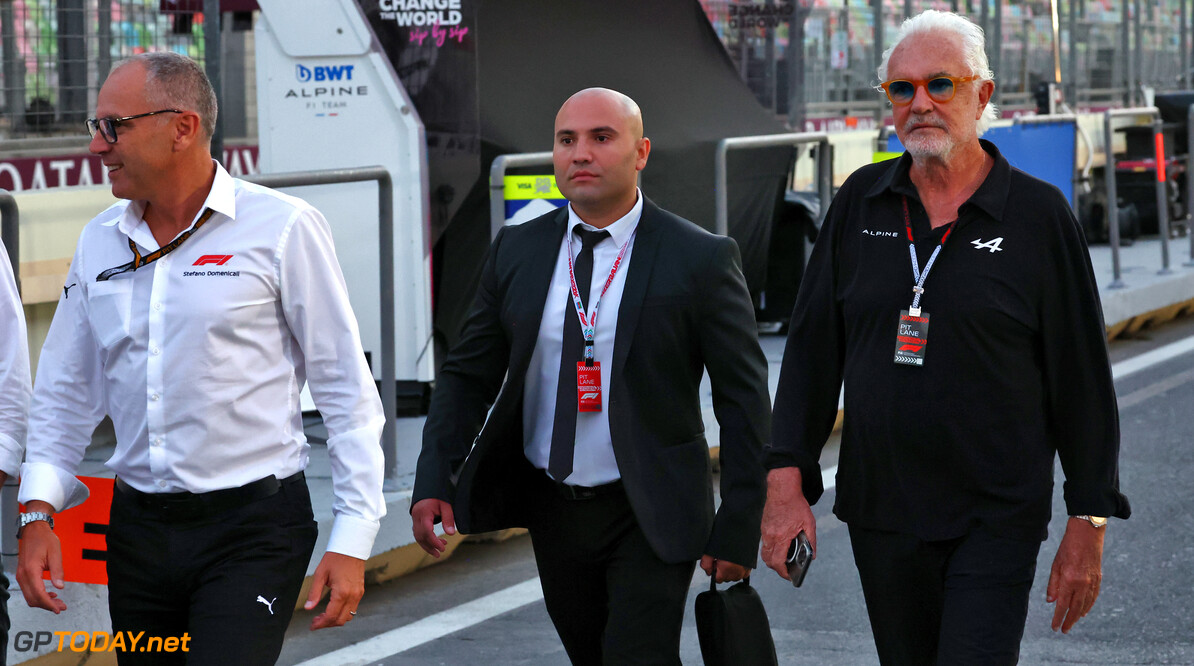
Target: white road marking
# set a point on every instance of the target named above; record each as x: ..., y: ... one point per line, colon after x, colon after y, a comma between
x: 397, y: 641
x: 432, y: 627
x: 1151, y: 358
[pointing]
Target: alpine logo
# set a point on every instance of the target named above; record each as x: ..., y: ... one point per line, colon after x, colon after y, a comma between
x: 992, y: 245
x: 884, y: 234
x: 217, y: 259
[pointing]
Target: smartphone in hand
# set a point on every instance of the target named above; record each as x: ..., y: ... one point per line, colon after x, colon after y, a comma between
x: 800, y: 556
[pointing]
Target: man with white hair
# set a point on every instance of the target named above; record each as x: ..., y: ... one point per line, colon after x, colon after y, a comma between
x: 945, y: 474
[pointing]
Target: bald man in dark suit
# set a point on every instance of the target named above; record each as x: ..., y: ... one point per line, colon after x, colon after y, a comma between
x: 595, y: 441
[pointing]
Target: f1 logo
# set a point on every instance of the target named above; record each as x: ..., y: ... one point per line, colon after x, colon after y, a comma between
x: 217, y: 259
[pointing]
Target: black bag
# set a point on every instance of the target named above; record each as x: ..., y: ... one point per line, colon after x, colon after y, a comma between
x: 733, y: 627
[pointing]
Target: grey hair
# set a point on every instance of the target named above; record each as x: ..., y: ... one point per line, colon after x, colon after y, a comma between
x: 174, y: 81
x: 974, y: 51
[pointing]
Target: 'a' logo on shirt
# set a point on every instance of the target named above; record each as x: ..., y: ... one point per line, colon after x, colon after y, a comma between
x: 217, y: 259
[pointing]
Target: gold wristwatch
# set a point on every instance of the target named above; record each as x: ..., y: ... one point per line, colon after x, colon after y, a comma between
x: 1097, y: 521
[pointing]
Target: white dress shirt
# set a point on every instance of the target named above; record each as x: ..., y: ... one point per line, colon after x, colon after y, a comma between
x: 199, y: 359
x: 593, y: 462
x: 14, y: 371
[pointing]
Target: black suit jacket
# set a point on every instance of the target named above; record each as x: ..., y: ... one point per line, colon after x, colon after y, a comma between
x: 685, y: 308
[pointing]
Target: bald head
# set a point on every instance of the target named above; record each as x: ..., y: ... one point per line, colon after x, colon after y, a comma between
x: 599, y: 150
x: 625, y: 108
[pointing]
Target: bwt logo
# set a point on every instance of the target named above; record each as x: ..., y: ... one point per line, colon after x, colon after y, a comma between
x: 323, y: 73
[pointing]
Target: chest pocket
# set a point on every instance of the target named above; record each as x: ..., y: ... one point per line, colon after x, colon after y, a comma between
x: 110, y: 306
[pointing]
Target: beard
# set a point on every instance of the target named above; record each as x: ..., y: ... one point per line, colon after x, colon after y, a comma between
x: 922, y: 145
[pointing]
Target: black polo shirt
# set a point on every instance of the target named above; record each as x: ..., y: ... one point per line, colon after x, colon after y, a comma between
x: 1015, y: 367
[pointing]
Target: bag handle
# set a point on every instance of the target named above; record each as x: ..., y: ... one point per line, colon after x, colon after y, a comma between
x: 713, y: 578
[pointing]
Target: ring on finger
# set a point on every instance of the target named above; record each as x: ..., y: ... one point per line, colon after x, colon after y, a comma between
x: 352, y: 613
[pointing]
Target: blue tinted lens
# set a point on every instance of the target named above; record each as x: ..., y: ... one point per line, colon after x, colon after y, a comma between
x: 901, y: 90
x: 941, y: 88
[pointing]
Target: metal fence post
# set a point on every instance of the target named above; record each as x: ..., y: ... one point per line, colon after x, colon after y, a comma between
x: 497, y: 184
x: 721, y: 178
x: 1162, y: 195
x: 1111, y: 209
x: 10, y: 232
x: 213, y: 64
x: 1190, y: 181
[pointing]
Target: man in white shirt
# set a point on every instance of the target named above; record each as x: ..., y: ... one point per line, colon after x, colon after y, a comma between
x: 193, y: 313
x: 14, y: 401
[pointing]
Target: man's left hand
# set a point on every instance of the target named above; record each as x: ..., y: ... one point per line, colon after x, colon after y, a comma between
x: 1077, y: 573
x: 345, y: 576
x: 727, y: 572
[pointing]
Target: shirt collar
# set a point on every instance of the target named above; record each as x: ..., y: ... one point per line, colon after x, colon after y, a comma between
x: 620, y: 230
x: 221, y: 199
x: 990, y: 197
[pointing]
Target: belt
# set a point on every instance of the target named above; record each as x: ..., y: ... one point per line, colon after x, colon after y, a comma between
x: 580, y: 493
x: 197, y: 505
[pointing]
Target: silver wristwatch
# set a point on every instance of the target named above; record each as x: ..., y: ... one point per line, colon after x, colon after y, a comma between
x: 32, y: 517
x: 1097, y: 521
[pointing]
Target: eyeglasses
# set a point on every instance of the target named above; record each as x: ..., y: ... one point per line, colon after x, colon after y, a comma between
x: 107, y: 126
x: 941, y: 89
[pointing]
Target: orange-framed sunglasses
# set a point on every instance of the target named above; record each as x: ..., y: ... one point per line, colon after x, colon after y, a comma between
x: 940, y: 88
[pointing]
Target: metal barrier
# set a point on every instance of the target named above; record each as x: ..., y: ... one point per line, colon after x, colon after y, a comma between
x: 497, y: 184
x: 10, y: 232
x: 385, y: 237
x: 1190, y: 180
x: 1111, y: 211
x: 720, y: 177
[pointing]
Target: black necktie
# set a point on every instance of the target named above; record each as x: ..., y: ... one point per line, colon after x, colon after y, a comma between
x: 563, y: 433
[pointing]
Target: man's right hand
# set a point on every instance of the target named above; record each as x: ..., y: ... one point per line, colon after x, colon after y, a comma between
x: 785, y: 515
x: 40, y: 551
x: 423, y: 516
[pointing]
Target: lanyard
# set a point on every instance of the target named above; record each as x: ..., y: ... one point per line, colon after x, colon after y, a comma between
x: 589, y: 325
x: 917, y: 275
x: 139, y: 261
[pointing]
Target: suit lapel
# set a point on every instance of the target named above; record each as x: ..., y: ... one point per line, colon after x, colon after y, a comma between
x: 541, y: 255
x: 646, y: 245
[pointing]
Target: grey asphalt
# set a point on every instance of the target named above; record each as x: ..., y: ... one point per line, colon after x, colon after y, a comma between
x: 1145, y: 614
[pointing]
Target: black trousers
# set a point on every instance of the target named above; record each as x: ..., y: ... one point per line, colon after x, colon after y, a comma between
x: 610, y: 597
x: 960, y: 601
x: 229, y: 580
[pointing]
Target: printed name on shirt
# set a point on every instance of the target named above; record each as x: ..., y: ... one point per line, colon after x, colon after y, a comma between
x: 210, y: 273
x: 991, y: 245
x: 218, y: 260
x: 884, y: 234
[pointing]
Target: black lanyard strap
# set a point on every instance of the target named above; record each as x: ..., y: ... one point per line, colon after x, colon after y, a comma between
x: 139, y: 261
